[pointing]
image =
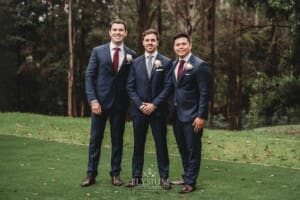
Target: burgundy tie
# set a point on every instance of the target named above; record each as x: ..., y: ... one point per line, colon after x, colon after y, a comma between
x: 180, y: 69
x: 116, y: 59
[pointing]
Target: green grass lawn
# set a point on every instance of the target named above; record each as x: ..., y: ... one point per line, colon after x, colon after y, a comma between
x: 43, y: 157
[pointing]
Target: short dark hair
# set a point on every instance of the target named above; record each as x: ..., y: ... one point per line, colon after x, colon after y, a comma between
x: 117, y: 21
x: 180, y: 35
x: 150, y: 31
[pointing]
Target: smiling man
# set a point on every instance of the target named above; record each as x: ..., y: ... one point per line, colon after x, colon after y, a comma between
x: 105, y: 83
x: 190, y: 79
x: 148, y: 87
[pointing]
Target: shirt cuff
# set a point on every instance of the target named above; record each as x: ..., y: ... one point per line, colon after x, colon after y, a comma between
x: 94, y: 101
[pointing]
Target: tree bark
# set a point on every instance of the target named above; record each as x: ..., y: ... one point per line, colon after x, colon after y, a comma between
x: 211, y: 30
x: 296, y: 50
x: 71, y: 60
x: 235, y: 76
x: 143, y: 7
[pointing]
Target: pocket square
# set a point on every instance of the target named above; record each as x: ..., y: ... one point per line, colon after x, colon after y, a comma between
x: 159, y: 70
x: 188, y: 74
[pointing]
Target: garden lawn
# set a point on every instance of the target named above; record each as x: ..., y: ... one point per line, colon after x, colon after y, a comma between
x: 44, y: 157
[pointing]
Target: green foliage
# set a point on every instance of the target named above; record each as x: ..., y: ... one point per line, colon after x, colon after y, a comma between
x: 38, y: 29
x: 275, y: 100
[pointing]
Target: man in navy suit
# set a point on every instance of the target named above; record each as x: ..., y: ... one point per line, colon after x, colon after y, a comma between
x: 190, y: 81
x: 148, y: 87
x: 105, y: 82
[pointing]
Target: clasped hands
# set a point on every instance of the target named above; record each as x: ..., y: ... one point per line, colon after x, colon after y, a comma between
x: 147, y: 108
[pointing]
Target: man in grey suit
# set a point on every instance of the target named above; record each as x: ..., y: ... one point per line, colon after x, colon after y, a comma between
x: 190, y: 81
x: 148, y: 88
x: 105, y: 82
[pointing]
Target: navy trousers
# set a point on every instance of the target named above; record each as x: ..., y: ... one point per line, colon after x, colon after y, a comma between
x: 159, y: 130
x: 117, y: 123
x: 190, y: 146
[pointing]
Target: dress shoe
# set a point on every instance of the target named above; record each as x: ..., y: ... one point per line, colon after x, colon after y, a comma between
x: 165, y: 184
x: 187, y: 189
x: 134, y: 182
x: 116, y: 181
x: 89, y: 180
x: 177, y: 182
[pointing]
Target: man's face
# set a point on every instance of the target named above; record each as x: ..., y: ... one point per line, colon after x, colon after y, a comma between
x: 182, y: 47
x: 150, y: 43
x: 117, y: 33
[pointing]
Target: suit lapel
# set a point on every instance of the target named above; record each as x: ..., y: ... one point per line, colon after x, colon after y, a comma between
x: 124, y: 61
x: 173, y: 72
x: 191, y: 61
x: 158, y: 57
x: 143, y: 67
x: 106, y: 55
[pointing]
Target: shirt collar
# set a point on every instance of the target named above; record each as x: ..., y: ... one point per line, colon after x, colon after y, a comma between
x: 186, y: 58
x: 154, y: 54
x: 113, y: 45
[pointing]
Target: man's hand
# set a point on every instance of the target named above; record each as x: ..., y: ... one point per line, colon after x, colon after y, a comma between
x: 198, y: 124
x: 96, y: 108
x: 148, y: 108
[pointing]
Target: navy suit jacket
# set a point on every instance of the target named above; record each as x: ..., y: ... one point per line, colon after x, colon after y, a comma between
x: 154, y: 90
x: 102, y: 83
x: 191, y: 95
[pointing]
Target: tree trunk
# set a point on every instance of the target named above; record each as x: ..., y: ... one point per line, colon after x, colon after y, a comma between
x: 143, y: 7
x: 211, y: 30
x: 159, y: 18
x: 70, y: 71
x: 235, y: 76
x: 271, y: 61
x: 296, y: 50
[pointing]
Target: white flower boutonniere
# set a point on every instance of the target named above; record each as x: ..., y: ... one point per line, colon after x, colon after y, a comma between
x: 188, y: 67
x: 128, y: 58
x: 157, y: 64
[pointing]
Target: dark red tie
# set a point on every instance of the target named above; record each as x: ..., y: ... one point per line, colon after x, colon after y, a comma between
x: 180, y: 69
x: 116, y: 59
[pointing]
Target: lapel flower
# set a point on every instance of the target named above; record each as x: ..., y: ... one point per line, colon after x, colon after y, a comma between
x: 188, y: 67
x: 157, y: 64
x: 128, y: 57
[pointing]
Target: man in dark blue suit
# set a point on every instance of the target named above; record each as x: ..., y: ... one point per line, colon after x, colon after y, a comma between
x: 105, y: 82
x: 190, y: 81
x: 148, y: 87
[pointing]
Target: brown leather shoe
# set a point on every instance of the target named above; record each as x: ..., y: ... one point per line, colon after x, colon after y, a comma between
x: 116, y: 181
x: 187, y: 189
x: 165, y: 184
x: 89, y: 180
x: 134, y: 182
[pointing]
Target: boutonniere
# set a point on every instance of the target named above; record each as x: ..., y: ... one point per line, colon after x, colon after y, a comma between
x: 128, y: 58
x: 188, y: 67
x: 157, y: 64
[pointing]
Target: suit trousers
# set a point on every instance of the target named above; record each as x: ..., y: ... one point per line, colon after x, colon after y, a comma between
x: 190, y: 146
x: 159, y: 130
x: 117, y: 123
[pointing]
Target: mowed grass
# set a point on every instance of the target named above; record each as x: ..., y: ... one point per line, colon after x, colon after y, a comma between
x: 35, y: 169
x: 43, y: 157
x: 275, y: 146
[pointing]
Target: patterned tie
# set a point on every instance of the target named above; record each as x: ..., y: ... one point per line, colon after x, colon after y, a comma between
x: 149, y: 65
x: 180, y: 69
x: 116, y: 59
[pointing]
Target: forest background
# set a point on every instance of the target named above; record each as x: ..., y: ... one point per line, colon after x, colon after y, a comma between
x: 252, y: 47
